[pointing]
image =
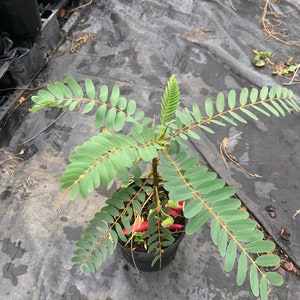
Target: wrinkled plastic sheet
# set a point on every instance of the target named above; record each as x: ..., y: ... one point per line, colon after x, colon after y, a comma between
x: 7, y: 59
x: 138, y: 45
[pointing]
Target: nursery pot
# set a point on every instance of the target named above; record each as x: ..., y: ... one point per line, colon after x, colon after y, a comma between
x: 143, y: 260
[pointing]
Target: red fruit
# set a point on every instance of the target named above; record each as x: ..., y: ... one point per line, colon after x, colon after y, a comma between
x: 143, y: 226
x: 175, y: 226
x: 174, y: 213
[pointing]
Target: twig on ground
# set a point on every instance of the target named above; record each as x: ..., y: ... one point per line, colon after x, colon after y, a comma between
x: 44, y: 129
x: 293, y: 78
x: 268, y: 26
x: 296, y: 213
x: 9, y: 157
x: 77, y: 43
x: 224, y: 153
x: 79, y: 7
x: 22, y: 89
x: 232, y: 6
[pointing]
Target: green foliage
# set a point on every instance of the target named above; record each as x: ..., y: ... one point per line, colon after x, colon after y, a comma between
x: 261, y: 57
x: 110, y: 155
x: 170, y: 101
x: 111, y: 111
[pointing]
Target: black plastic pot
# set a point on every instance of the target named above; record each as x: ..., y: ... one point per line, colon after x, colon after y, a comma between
x: 20, y: 18
x: 143, y: 260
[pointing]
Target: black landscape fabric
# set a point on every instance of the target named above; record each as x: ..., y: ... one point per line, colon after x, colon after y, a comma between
x: 210, y: 47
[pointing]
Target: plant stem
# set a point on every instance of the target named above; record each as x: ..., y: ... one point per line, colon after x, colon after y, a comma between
x: 155, y: 174
x: 156, y: 197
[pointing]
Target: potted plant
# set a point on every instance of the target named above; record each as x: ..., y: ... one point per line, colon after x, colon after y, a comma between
x: 162, y: 186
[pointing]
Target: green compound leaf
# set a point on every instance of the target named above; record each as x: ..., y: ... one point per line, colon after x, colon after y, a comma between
x: 220, y: 123
x: 97, y: 259
x: 249, y: 114
x: 170, y: 100
x: 249, y: 235
x: 131, y: 107
x: 75, y: 87
x: 197, y: 221
x: 90, y: 88
x: 278, y: 108
x: 209, y: 107
x: 235, y: 214
x: 225, y: 205
x: 46, y: 96
x: 92, y: 231
x: 56, y: 91
x: 207, y: 129
x: 220, y: 102
x: 244, y: 96
x: 242, y: 269
x: 254, y: 282
x: 254, y: 95
x: 271, y: 109
x: 83, y: 187
x: 185, y: 117
x: 267, y: 260
x: 229, y: 120
x: 64, y: 89
x: 232, y: 99
x: 110, y: 119
x: 219, y: 194
x: 222, y: 242
x: 261, y: 110
x: 139, y: 115
x: 237, y: 225
x: 74, y: 191
x: 274, y: 278
x: 78, y: 259
x: 180, y: 193
x: 103, y: 95
x: 155, y: 260
x: 230, y: 256
x: 85, y: 270
x: 238, y: 117
x: 260, y: 247
x: 88, y: 107
x: 83, y: 245
x: 115, y: 94
x: 278, y: 91
x: 122, y: 103
x: 215, y: 229
x: 119, y: 121
x: 196, y: 112
x: 192, y: 208
x: 264, y: 93
x: 73, y: 105
x: 263, y: 288
x: 120, y: 233
x: 194, y: 135
x: 272, y: 92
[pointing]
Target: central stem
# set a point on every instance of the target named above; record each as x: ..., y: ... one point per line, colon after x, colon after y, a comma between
x: 155, y: 182
x: 155, y: 174
x: 157, y: 200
